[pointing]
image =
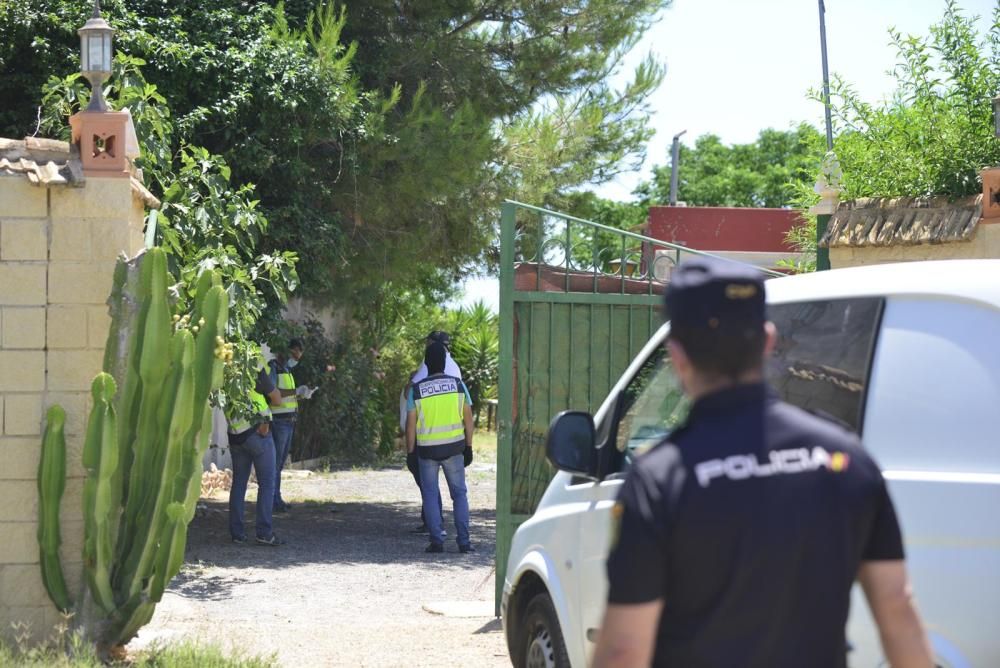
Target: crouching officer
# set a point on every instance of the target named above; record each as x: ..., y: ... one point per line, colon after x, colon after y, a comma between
x: 739, y: 537
x: 252, y: 444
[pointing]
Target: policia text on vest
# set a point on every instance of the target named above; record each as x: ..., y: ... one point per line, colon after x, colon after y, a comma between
x: 440, y: 403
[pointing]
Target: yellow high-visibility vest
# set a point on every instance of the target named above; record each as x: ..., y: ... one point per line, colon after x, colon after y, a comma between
x: 290, y: 403
x: 261, y: 409
x: 440, y: 407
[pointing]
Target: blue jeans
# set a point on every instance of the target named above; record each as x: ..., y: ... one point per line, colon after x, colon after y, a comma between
x: 283, y: 431
x: 413, y: 465
x: 256, y: 451
x: 454, y: 474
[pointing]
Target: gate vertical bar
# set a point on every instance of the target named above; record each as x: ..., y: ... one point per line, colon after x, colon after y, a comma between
x: 505, y: 407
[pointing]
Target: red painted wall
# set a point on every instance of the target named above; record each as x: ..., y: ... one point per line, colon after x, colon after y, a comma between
x: 710, y: 228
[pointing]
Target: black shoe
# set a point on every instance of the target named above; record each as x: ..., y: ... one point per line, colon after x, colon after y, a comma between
x: 273, y: 541
x: 280, y: 508
x: 466, y: 549
x: 240, y: 540
x: 434, y: 548
x: 421, y: 529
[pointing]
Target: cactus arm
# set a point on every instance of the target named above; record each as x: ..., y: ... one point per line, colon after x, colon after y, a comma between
x: 114, y: 344
x: 201, y: 292
x: 128, y: 412
x: 132, y: 616
x: 193, y: 491
x: 212, y: 321
x: 51, y: 485
x: 208, y: 376
x: 171, y: 553
x: 157, y: 326
x: 153, y: 365
x: 139, y: 565
x: 100, y: 459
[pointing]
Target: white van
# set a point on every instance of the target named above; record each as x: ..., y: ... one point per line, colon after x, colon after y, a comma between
x: 906, y: 354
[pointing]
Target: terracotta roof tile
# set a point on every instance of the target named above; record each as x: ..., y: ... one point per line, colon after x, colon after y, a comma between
x: 49, y: 162
x: 44, y: 161
x: 902, y: 222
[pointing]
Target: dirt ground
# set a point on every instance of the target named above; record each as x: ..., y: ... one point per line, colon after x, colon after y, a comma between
x: 351, y: 587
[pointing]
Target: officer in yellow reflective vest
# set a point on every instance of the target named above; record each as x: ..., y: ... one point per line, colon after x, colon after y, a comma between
x: 252, y: 445
x: 438, y: 428
x: 285, y: 413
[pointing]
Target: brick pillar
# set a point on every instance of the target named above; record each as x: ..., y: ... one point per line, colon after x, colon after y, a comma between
x: 58, y: 247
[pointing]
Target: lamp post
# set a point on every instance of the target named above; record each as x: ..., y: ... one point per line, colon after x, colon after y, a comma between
x: 996, y: 115
x: 826, y: 75
x: 675, y: 156
x: 101, y: 134
x: 95, y: 56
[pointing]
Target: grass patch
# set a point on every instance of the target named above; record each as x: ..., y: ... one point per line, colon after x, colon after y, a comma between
x: 485, y: 445
x: 80, y: 654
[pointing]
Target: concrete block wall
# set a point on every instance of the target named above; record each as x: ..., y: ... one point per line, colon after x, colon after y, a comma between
x: 58, y: 247
x: 985, y: 244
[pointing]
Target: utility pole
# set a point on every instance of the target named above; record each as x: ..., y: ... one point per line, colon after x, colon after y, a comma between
x: 675, y: 156
x: 823, y: 219
x: 826, y: 75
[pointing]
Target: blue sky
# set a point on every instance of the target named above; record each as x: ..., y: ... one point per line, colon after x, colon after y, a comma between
x: 735, y: 67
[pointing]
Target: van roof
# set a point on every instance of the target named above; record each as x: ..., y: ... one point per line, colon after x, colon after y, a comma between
x: 977, y: 280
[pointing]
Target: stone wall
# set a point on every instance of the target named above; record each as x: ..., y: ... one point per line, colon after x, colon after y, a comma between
x: 58, y: 246
x: 985, y: 243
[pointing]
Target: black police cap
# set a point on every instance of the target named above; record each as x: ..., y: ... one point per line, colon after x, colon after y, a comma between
x: 713, y: 294
x: 440, y: 337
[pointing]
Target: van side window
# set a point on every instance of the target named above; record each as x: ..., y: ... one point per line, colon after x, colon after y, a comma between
x: 934, y: 403
x: 823, y: 354
x: 653, y: 406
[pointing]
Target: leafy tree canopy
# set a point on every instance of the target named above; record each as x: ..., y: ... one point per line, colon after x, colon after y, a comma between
x: 204, y: 222
x: 380, y: 135
x: 758, y: 174
x: 935, y: 134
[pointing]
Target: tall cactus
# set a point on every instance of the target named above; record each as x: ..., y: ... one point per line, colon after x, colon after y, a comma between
x: 142, y: 455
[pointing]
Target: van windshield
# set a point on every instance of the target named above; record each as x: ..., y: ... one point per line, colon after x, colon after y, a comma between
x: 654, y: 405
x: 820, y: 363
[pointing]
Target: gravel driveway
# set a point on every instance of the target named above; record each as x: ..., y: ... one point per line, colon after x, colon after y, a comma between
x: 351, y: 588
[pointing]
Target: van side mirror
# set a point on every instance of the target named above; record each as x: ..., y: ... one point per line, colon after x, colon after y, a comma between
x: 570, y: 442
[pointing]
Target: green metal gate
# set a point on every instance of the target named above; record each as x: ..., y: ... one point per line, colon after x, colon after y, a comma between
x: 578, y: 300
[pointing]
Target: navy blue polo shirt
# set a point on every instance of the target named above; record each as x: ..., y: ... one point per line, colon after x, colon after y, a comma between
x: 750, y: 523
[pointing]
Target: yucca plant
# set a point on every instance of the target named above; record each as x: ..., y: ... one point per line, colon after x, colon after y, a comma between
x: 476, y: 349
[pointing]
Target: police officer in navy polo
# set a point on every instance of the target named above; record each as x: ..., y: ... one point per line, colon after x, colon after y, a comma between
x: 739, y: 537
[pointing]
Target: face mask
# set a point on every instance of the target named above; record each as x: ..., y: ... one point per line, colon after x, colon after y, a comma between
x: 292, y: 363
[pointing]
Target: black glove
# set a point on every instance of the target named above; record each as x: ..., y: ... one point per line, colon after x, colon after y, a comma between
x: 467, y: 455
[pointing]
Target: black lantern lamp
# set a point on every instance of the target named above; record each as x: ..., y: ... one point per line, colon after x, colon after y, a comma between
x: 95, y: 56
